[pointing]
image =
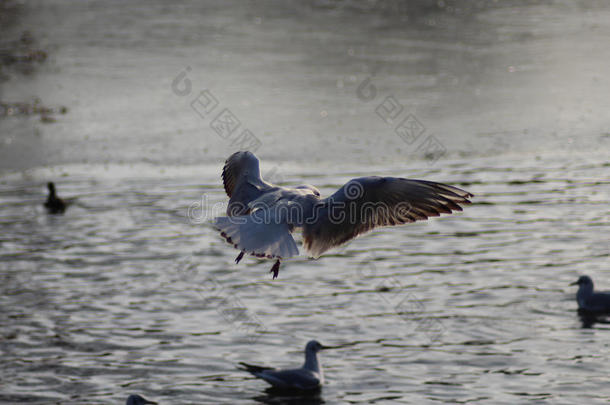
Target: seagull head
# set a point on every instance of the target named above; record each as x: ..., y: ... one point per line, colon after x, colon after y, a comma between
x: 314, y: 346
x: 311, y: 357
x: 584, y: 281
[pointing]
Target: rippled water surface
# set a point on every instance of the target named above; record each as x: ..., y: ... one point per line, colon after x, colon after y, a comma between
x: 131, y: 291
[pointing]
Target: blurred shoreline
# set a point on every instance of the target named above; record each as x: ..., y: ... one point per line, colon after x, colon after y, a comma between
x: 481, y: 79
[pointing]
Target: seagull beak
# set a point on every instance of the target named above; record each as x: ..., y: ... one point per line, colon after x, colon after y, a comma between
x: 339, y: 346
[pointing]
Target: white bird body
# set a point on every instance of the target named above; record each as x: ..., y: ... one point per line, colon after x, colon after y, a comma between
x: 261, y: 217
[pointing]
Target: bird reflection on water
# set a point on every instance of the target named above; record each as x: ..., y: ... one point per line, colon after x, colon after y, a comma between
x: 589, y: 319
x: 274, y: 396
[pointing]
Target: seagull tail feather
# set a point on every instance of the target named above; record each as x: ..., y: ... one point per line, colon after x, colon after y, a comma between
x: 267, y: 239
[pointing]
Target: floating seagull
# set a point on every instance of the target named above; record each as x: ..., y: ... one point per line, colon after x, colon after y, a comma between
x: 588, y: 300
x: 54, y: 204
x: 138, y: 400
x: 261, y: 216
x: 307, y: 378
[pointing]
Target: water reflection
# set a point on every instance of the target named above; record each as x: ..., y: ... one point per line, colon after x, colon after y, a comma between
x: 588, y: 319
x: 280, y: 397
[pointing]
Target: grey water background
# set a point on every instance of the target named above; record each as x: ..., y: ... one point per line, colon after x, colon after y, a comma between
x: 131, y: 292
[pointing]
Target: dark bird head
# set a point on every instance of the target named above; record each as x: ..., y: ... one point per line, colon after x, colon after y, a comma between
x: 584, y: 281
x: 314, y: 346
x: 138, y: 400
x: 54, y: 204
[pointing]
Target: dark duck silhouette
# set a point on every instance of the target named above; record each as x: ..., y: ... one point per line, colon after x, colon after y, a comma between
x: 54, y: 204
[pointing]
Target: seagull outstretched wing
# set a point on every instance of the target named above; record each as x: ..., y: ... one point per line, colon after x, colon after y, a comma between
x: 369, y: 202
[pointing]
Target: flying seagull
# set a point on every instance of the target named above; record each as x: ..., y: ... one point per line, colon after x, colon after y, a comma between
x: 307, y: 378
x: 588, y: 300
x: 54, y: 204
x: 138, y: 400
x: 261, y: 216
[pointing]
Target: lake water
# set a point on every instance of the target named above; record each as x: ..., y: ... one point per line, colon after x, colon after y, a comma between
x: 131, y: 291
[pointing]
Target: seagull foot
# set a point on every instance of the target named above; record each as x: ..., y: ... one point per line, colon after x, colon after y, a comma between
x: 275, y: 269
x: 239, y: 257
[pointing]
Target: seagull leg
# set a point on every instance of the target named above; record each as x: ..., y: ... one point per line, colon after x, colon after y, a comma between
x: 239, y: 257
x: 275, y: 269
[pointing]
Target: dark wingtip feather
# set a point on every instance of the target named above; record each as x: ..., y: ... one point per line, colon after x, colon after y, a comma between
x: 232, y: 169
x: 228, y: 181
x: 251, y: 368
